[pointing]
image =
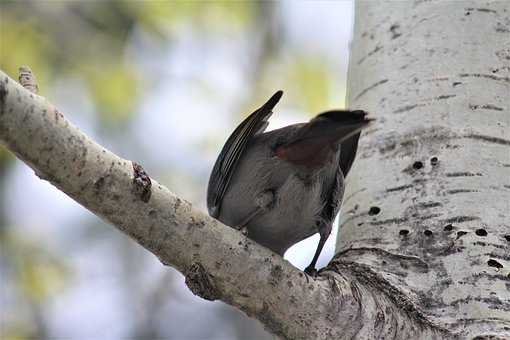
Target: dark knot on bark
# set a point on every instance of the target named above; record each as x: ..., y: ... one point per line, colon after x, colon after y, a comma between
x: 199, y: 282
x: 141, y: 183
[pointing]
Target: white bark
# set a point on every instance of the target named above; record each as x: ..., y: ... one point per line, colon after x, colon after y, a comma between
x: 436, y: 74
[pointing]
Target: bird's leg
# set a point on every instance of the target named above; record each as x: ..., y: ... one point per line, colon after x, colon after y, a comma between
x: 324, y: 231
x: 264, y: 202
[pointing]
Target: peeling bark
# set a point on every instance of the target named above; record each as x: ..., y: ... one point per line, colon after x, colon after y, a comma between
x: 442, y: 146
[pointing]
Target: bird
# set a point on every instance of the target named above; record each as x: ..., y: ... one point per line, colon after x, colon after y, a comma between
x: 282, y: 186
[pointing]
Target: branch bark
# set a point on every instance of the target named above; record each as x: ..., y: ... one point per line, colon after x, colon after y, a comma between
x: 346, y: 301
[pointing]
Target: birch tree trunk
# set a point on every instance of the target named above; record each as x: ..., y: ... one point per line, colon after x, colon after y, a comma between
x: 428, y: 201
x: 423, y: 248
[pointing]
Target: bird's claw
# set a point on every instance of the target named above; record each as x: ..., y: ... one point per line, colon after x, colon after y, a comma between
x: 311, y: 271
x: 244, y: 231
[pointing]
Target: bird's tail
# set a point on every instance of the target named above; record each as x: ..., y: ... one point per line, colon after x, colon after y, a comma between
x: 336, y: 125
x: 314, y: 142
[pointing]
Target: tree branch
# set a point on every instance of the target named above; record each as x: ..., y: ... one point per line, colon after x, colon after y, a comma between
x: 218, y: 262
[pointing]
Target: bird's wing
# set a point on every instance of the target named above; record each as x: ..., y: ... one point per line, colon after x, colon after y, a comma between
x: 334, y: 197
x: 348, y: 152
x: 232, y: 151
x: 354, y: 120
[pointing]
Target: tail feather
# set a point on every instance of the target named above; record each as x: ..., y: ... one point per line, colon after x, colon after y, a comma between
x: 319, y: 138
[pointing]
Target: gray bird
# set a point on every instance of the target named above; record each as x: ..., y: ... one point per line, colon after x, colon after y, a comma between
x: 282, y: 186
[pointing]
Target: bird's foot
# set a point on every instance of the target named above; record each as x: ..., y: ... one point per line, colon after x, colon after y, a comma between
x: 244, y: 231
x: 311, y: 271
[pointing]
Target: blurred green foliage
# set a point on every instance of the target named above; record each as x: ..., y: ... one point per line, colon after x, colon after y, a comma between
x: 87, y: 39
x: 309, y: 77
x: 39, y: 272
x: 155, y: 15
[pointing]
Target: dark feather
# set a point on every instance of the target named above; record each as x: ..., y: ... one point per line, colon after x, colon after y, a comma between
x: 316, y: 140
x: 232, y: 151
x: 334, y: 197
x: 343, y: 116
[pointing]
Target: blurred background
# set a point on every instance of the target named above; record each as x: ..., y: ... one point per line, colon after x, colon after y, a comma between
x: 162, y: 83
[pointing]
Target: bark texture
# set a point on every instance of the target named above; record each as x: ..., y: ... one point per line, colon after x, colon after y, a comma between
x: 347, y: 301
x: 433, y: 219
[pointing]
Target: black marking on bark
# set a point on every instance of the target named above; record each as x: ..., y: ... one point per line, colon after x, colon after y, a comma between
x: 428, y: 102
x: 200, y: 283
x: 417, y: 165
x: 98, y: 185
x: 427, y: 233
x: 485, y: 107
x: 391, y: 220
x: 494, y: 263
x: 414, y: 261
x: 392, y: 144
x: 403, y: 232
x: 460, y: 219
x: 507, y: 237
x: 456, y: 83
x: 481, y: 232
x: 374, y: 211
x: 460, y: 234
x: 380, y: 82
x: 407, y: 108
x: 395, y: 32
x: 434, y: 161
x: 448, y: 227
x: 427, y: 217
x: 486, y: 10
x: 141, y: 183
x: 462, y: 174
x: 438, y: 79
x: 486, y: 76
x: 489, y: 139
x: 429, y: 205
x: 375, y: 50
x: 460, y: 191
x: 402, y: 187
x: 445, y: 96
